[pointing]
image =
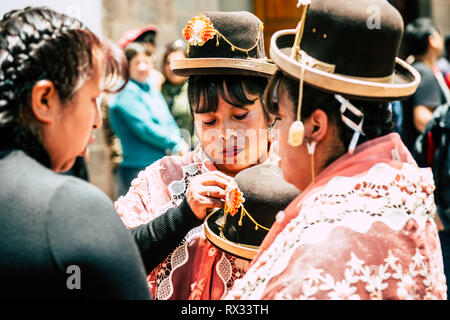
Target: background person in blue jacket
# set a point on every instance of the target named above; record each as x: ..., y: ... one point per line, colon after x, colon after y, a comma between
x: 140, y: 118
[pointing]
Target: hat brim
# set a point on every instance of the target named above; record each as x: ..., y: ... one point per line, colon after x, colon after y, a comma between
x: 212, y: 232
x: 131, y: 35
x: 401, y: 85
x: 222, y: 66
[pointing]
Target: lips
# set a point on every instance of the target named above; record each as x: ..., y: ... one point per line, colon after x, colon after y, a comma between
x: 91, y: 141
x: 231, y: 152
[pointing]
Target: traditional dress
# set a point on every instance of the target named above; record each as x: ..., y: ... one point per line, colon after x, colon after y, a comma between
x: 364, y: 230
x: 195, y: 269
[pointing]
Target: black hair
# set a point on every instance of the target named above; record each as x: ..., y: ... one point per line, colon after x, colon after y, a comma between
x: 417, y: 33
x: 232, y: 88
x: 377, y: 115
x: 36, y: 44
x: 135, y: 48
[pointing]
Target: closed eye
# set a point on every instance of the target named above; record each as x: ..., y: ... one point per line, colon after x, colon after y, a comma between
x: 241, y: 117
x: 209, y: 123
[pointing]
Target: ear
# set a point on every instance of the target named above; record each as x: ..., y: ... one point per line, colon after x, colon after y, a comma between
x: 45, y: 103
x: 318, y: 125
x: 433, y: 41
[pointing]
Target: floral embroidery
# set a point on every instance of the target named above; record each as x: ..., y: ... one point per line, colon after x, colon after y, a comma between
x: 375, y: 279
x: 233, y: 199
x: 199, y: 30
x: 197, y: 290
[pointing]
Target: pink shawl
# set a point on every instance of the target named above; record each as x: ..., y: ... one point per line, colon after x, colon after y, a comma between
x: 364, y: 230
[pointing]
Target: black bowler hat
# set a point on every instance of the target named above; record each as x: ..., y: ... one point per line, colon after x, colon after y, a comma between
x: 265, y: 193
x: 224, y: 43
x: 347, y: 47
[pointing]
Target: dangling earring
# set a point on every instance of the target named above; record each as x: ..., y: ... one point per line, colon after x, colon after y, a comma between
x: 311, y: 149
x: 297, y: 130
x: 269, y: 134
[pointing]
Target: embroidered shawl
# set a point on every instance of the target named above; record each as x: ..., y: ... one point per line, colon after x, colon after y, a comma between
x: 364, y: 230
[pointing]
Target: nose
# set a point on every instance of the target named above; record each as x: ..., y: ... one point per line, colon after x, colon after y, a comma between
x: 143, y: 66
x: 227, y: 132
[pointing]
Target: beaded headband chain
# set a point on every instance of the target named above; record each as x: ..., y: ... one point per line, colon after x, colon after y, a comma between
x: 200, y: 29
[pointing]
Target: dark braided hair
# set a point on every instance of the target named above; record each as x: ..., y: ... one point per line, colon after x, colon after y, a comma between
x: 377, y: 115
x: 41, y: 44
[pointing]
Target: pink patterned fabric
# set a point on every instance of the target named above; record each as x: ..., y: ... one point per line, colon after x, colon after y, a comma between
x: 195, y: 269
x: 365, y: 230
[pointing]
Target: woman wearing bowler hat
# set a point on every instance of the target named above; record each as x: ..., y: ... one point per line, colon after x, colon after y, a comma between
x: 228, y: 73
x: 363, y: 226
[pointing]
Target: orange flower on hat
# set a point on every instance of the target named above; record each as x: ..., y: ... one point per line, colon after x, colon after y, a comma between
x: 233, y: 199
x: 199, y: 30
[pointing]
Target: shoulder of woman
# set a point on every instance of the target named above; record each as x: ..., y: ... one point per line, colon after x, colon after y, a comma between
x: 83, y: 229
x: 76, y: 196
x: 80, y: 212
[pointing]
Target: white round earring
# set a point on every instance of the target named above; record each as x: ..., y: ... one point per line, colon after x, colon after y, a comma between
x: 311, y: 146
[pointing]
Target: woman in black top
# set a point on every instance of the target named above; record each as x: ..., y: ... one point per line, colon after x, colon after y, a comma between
x: 60, y: 236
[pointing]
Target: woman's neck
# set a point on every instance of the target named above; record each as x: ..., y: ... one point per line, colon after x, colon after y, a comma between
x: 228, y: 173
x: 233, y: 173
x: 429, y: 59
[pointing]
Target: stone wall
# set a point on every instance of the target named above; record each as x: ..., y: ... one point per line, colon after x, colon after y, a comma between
x: 440, y: 12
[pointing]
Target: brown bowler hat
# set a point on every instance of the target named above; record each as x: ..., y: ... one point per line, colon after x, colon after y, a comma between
x: 347, y: 47
x: 265, y: 193
x: 224, y: 43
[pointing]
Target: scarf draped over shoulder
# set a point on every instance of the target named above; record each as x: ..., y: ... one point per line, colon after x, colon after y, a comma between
x: 364, y: 230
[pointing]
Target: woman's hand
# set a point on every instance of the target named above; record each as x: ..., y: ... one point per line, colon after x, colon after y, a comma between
x: 207, y: 192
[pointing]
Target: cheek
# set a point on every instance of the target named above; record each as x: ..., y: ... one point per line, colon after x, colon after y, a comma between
x: 288, y: 154
x: 256, y: 137
x: 209, y: 139
x: 168, y: 71
x: 83, y: 122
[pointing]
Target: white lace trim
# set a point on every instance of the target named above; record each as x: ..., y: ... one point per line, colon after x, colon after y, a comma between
x: 178, y: 258
x: 225, y: 270
x: 383, y: 194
